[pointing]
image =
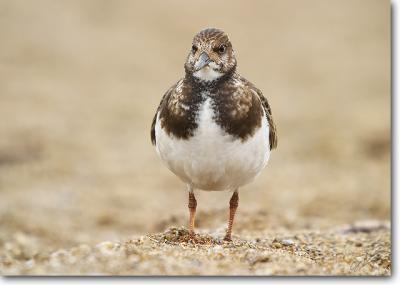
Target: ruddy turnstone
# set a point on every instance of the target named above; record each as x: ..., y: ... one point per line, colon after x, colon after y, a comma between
x: 213, y: 128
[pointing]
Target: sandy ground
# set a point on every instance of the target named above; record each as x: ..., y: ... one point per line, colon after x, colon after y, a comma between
x: 82, y: 190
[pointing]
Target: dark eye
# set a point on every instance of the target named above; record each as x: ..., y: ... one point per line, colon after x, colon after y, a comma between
x: 222, y: 48
x: 194, y: 48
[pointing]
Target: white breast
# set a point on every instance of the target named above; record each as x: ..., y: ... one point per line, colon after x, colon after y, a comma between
x: 213, y: 159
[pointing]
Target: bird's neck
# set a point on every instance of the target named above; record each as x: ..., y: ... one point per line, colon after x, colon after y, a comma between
x: 201, y: 84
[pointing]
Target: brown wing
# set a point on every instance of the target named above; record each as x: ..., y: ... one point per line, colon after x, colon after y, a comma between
x: 273, y: 137
x: 162, y: 103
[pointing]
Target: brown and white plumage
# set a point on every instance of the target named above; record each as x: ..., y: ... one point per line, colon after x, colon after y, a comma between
x: 213, y: 128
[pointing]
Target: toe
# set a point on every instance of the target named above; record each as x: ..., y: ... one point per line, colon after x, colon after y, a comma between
x: 227, y: 238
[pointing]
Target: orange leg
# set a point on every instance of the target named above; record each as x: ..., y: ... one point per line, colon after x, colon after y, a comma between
x: 192, y: 211
x: 233, y: 204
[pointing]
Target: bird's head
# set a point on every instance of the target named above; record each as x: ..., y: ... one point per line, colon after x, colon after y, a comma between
x: 211, y: 55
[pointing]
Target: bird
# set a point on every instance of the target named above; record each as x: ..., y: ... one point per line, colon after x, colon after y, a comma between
x: 213, y: 128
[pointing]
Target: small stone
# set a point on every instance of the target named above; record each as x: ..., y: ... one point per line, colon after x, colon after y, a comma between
x: 30, y: 263
x: 218, y: 249
x: 22, y: 238
x: 276, y: 245
x: 360, y: 258
x: 287, y: 242
x: 58, y: 258
x: 106, y: 248
x: 260, y: 259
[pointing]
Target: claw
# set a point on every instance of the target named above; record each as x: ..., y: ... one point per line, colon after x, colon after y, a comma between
x: 228, y: 238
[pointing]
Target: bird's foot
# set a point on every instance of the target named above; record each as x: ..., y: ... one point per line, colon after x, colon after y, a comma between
x: 192, y: 237
x: 228, y: 238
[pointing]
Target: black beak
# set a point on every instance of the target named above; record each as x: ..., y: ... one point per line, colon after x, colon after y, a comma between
x: 202, y: 61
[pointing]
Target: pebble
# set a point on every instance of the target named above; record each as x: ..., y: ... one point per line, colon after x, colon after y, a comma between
x: 287, y: 242
x: 218, y: 249
x: 106, y: 248
x: 277, y: 245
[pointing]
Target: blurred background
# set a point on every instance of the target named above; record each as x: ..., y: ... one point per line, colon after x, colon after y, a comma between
x: 80, y: 82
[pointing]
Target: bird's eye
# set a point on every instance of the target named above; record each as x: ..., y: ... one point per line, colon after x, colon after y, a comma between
x: 222, y: 49
x: 194, y: 48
